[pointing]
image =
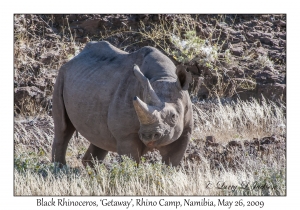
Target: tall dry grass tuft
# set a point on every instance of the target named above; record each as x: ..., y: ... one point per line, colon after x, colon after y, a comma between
x: 239, y: 120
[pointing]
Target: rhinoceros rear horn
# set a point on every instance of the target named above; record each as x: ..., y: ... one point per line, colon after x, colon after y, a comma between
x: 150, y: 96
x: 144, y: 112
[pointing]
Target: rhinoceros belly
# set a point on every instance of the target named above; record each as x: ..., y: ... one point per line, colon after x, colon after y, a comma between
x: 87, y: 96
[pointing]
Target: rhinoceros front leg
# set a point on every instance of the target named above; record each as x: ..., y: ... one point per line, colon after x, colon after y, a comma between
x: 93, y: 153
x: 131, y: 146
x: 173, y: 153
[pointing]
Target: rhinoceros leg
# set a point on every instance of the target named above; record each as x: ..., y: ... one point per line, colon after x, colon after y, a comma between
x: 131, y: 146
x: 173, y: 153
x: 60, y: 144
x: 63, y: 128
x: 93, y: 153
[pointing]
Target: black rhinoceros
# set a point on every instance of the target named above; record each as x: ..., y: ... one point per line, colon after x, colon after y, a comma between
x: 127, y: 103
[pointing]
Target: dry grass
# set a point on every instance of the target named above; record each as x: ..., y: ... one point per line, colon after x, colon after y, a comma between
x: 36, y: 175
x: 239, y: 120
x: 126, y: 179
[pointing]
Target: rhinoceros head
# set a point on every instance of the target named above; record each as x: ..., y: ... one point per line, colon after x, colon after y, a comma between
x: 161, y: 121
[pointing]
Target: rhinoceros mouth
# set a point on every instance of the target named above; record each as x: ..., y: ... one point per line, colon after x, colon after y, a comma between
x: 151, y: 144
x: 163, y: 141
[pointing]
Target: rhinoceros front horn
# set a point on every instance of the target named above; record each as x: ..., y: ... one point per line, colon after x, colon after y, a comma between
x: 144, y: 112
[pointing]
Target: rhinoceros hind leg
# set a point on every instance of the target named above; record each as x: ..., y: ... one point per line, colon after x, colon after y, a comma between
x: 93, y: 153
x: 63, y: 127
x: 62, y: 136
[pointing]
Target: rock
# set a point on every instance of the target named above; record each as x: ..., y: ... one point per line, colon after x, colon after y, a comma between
x: 282, y: 43
x: 258, y: 44
x: 260, y: 50
x: 263, y: 148
x: 211, y: 139
x: 280, y: 23
x: 234, y: 143
x: 90, y: 26
x: 273, y: 92
x: 255, y: 142
x: 25, y: 95
x: 277, y: 56
x: 281, y: 35
x: 267, y: 68
x: 230, y: 73
x: 267, y: 40
x: 211, y: 144
x: 237, y: 51
x: 40, y: 83
x: 32, y: 92
x: 266, y: 140
x: 267, y: 23
x: 246, y: 143
x: 48, y: 57
x: 233, y: 32
x: 266, y: 76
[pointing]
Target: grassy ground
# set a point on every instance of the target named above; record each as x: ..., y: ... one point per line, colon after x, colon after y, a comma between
x: 264, y: 173
x: 153, y: 179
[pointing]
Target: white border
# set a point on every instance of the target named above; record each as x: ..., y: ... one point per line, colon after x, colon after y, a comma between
x: 153, y: 6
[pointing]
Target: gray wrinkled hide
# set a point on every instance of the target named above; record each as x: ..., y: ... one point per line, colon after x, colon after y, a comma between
x: 94, y: 94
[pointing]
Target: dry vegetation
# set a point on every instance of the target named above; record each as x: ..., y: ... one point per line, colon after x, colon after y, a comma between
x: 248, y: 143
x: 238, y: 120
x: 36, y: 175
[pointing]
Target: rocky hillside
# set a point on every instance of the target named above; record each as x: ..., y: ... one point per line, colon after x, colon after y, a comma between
x: 229, y: 56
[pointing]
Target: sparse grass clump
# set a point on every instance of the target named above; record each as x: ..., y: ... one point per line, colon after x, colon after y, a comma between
x: 265, y: 61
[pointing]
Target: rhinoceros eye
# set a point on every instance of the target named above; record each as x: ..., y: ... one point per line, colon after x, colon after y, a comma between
x: 173, y: 119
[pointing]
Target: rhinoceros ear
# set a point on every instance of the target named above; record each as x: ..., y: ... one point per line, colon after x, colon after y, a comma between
x: 184, y: 77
